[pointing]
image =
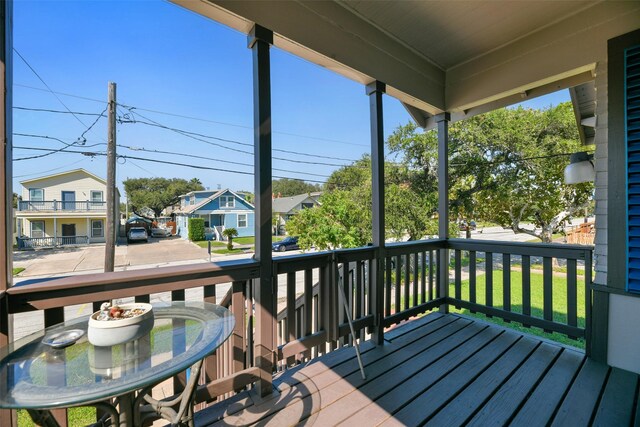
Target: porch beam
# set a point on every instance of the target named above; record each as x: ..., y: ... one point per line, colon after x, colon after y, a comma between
x: 260, y: 40
x: 443, y: 204
x: 375, y: 91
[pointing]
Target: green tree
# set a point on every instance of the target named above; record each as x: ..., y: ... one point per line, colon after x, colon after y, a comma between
x: 506, y: 167
x: 230, y: 233
x: 15, y: 200
x: 157, y: 193
x: 286, y: 187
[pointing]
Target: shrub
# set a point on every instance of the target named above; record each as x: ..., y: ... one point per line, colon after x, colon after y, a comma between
x: 196, y: 229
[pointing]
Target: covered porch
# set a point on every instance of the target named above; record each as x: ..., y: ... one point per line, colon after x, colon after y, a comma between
x: 445, y: 368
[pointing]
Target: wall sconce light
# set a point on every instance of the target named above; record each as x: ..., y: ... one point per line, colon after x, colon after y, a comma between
x: 580, y: 169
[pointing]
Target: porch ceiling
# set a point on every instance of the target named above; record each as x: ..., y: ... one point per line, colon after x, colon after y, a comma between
x: 463, y: 57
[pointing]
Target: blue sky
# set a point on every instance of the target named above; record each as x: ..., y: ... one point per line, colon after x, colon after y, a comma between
x: 166, y: 59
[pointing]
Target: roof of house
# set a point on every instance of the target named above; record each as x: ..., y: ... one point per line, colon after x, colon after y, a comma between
x: 65, y: 173
x: 286, y: 204
x: 193, y: 208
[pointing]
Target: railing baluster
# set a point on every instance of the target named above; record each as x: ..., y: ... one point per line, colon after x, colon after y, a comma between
x: 472, y: 278
x: 398, y: 285
x: 237, y: 342
x: 308, y: 301
x: 430, y: 275
x: 572, y: 293
x: 423, y: 277
x: 488, y: 279
x: 210, y: 363
x: 506, y: 283
x: 179, y: 342
x: 526, y: 286
x: 458, y: 275
x: 416, y: 279
x: 387, y: 289
x: 407, y: 278
x: 289, y: 334
x: 547, y: 280
x: 52, y: 317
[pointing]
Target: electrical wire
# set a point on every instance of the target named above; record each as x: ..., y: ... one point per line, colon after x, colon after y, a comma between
x: 49, y: 170
x: 47, y: 86
x: 95, y: 153
x: 200, y: 119
x: 47, y: 110
x: 215, y: 160
x: 193, y: 135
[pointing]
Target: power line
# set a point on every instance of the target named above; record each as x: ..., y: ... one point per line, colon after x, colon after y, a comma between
x: 47, y: 110
x: 95, y: 153
x: 47, y: 86
x: 50, y: 170
x: 231, y: 141
x: 214, y: 159
x: 199, y: 119
x: 80, y: 141
x: 101, y: 101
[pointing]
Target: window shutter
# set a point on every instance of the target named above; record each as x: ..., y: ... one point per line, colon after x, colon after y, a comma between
x: 632, y: 133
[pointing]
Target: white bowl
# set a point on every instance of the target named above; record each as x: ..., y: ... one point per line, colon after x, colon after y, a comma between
x: 105, y: 333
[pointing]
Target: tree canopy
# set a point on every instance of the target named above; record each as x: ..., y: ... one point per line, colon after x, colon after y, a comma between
x: 505, y: 166
x: 287, y: 187
x: 156, y: 194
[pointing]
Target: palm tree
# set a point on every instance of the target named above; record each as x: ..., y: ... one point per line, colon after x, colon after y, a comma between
x: 230, y: 233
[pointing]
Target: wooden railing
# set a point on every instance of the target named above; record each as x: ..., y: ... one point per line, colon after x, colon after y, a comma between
x: 521, y: 282
x: 51, y: 242
x: 520, y: 285
x: 57, y: 205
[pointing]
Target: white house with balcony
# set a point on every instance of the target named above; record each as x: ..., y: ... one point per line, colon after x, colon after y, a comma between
x: 64, y: 209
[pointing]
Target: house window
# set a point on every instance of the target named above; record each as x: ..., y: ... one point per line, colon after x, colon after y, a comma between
x: 36, y: 194
x: 307, y: 205
x: 37, y: 228
x: 227, y: 201
x: 242, y: 220
x: 97, y: 228
x: 96, y: 196
x: 192, y: 200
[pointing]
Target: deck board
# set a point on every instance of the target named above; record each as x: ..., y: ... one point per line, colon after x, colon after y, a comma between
x: 443, y: 370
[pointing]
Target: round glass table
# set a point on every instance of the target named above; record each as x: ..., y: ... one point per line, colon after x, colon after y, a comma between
x: 36, y: 376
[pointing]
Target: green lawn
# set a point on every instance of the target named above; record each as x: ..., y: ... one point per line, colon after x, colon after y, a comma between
x: 214, y: 244
x: 226, y: 251
x: 250, y: 240
x: 559, y: 301
x: 17, y: 270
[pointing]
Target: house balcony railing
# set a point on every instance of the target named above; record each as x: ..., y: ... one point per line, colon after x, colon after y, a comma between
x: 51, y: 242
x: 542, y: 286
x: 56, y: 205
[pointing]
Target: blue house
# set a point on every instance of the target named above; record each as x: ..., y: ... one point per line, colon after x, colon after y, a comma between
x: 220, y: 209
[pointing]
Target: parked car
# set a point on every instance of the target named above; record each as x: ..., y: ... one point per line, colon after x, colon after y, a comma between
x: 287, y: 244
x: 160, y: 232
x: 137, y: 234
x: 463, y: 225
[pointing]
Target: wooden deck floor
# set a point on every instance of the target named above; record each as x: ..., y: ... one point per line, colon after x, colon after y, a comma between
x: 444, y: 370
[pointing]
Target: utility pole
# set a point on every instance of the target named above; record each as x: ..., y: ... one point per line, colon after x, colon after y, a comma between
x: 110, y: 229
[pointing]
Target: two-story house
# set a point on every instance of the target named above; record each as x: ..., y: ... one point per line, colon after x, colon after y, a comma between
x: 220, y: 209
x: 285, y: 207
x: 63, y: 209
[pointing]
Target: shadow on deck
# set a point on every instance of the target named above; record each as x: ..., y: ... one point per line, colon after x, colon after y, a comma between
x: 444, y: 370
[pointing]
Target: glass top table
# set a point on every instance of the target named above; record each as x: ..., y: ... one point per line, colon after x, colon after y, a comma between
x: 37, y: 376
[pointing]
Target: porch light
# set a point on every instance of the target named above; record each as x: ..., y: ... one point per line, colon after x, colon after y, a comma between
x: 580, y: 169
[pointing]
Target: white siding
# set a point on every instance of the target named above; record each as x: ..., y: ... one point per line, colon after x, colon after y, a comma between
x: 601, y: 138
x: 77, y: 181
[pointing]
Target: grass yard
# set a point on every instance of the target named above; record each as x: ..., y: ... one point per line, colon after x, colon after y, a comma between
x: 17, y: 270
x: 226, y: 251
x: 214, y: 244
x: 559, y: 302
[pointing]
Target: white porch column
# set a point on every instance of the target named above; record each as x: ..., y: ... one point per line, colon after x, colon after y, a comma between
x: 88, y: 230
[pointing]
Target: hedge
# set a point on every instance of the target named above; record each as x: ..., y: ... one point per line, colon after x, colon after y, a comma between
x: 196, y: 229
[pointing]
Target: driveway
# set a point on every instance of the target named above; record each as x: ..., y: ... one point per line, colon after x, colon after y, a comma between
x: 157, y: 252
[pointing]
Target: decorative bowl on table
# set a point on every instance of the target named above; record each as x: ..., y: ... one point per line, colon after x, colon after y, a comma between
x: 118, y: 324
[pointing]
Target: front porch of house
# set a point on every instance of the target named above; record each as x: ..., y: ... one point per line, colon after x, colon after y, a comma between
x: 443, y: 369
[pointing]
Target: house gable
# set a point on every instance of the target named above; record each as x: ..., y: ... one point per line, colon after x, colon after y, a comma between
x: 79, y: 181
